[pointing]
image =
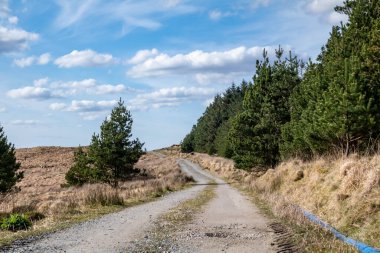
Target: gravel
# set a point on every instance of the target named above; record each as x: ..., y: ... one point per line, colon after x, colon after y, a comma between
x: 111, y: 233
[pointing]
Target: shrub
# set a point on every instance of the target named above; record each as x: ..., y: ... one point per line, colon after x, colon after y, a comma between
x: 16, y: 222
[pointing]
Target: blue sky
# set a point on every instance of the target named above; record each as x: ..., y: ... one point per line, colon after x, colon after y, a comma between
x: 65, y: 63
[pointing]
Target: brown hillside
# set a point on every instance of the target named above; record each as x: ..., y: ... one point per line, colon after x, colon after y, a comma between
x: 44, y: 175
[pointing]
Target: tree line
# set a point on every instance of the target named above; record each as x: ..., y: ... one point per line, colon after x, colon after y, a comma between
x: 297, y: 109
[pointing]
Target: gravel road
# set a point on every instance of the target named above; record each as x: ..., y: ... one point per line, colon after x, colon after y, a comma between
x: 230, y: 223
x: 112, y: 232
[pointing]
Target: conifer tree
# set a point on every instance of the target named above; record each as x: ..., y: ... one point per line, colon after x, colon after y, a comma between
x: 256, y: 132
x: 9, y: 174
x: 341, y: 92
x: 112, y: 154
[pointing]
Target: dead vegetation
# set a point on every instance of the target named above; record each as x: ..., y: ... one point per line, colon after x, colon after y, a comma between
x: 43, y: 188
x: 345, y: 192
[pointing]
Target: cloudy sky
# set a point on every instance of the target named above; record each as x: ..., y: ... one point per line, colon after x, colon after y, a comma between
x: 65, y: 63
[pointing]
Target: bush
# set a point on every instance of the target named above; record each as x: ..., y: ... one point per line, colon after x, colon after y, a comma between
x: 16, y: 222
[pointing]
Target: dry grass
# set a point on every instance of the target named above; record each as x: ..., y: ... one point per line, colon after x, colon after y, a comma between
x: 345, y: 192
x: 42, y: 189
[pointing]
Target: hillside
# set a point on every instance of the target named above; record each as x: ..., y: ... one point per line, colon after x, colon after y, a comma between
x: 43, y: 188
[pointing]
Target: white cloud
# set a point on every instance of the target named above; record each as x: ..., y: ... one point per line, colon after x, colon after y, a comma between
x: 28, y: 61
x: 82, y: 84
x: 14, y: 39
x: 24, y: 62
x: 142, y: 55
x: 215, y: 15
x: 4, y: 8
x: 73, y: 11
x: 218, y: 78
x: 322, y: 6
x: 325, y: 10
x: 44, y: 89
x: 109, y: 89
x: 31, y: 92
x: 84, y: 58
x: 169, y: 97
x: 41, y: 82
x: 84, y: 106
x: 240, y: 59
x: 57, y: 106
x: 44, y: 59
x: 13, y: 20
x: 335, y: 18
x: 145, y: 14
x: 257, y: 3
x: 25, y: 122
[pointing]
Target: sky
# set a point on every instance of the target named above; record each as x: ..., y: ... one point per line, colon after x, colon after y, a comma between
x: 64, y: 64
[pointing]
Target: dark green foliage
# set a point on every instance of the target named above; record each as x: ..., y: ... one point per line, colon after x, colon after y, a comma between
x: 16, y: 222
x: 210, y: 135
x: 333, y: 106
x: 256, y: 132
x: 337, y: 104
x: 8, y: 164
x: 81, y: 172
x: 187, y: 144
x: 111, y: 155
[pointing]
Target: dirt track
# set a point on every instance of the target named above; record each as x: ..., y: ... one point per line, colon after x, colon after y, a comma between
x: 230, y: 223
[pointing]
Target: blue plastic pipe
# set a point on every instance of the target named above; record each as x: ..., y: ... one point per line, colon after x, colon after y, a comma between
x: 362, y: 247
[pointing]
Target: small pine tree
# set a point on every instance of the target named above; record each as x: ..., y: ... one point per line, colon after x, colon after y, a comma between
x: 8, y: 164
x: 80, y: 172
x: 111, y: 155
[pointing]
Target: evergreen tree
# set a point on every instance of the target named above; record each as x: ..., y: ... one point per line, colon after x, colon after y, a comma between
x: 210, y: 134
x: 8, y: 164
x: 81, y: 172
x: 111, y: 155
x: 187, y: 144
x: 256, y: 132
x: 340, y: 94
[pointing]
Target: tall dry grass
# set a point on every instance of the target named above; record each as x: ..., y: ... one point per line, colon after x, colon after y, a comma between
x: 44, y: 169
x: 343, y: 191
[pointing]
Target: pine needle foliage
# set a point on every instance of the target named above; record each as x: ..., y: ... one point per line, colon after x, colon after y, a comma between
x: 111, y: 155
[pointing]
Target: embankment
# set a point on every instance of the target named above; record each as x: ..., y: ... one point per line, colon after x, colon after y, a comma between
x: 345, y: 192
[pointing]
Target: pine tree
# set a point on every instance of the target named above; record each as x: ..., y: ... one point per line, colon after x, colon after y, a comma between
x: 256, y: 132
x: 81, y: 172
x: 210, y: 134
x: 111, y: 155
x: 187, y: 144
x: 9, y: 174
x: 340, y: 94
